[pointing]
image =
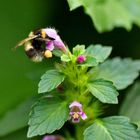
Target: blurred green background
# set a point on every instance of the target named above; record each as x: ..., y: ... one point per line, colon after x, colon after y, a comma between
x: 19, y: 76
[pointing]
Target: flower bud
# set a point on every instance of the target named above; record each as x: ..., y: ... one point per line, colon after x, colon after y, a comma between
x: 81, y: 59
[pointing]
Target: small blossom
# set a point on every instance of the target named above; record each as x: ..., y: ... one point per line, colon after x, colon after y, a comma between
x: 76, y: 112
x: 53, y: 137
x: 56, y: 40
x: 81, y: 59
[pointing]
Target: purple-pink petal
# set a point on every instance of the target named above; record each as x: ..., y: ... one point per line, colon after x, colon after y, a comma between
x: 75, y: 103
x: 50, y: 45
x: 83, y: 116
x: 80, y: 113
x: 59, y: 43
x: 53, y: 137
x: 51, y: 32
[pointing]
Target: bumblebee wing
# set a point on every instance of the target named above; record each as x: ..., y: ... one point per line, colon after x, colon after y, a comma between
x: 45, y: 39
x: 25, y: 40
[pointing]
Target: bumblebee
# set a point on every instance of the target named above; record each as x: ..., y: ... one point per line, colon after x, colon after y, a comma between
x: 35, y: 45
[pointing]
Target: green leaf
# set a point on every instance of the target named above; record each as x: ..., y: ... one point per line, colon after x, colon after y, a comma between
x: 112, y: 128
x: 48, y: 115
x: 99, y: 52
x: 130, y: 105
x: 50, y: 80
x: 16, y: 119
x: 108, y: 14
x: 89, y: 62
x: 65, y: 58
x: 138, y: 124
x: 57, y: 52
x: 74, y: 4
x: 139, y: 131
x: 79, y: 49
x: 122, y: 72
x: 104, y: 91
x: 134, y: 9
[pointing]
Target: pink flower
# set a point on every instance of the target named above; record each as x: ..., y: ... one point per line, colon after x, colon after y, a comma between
x: 56, y: 40
x: 53, y: 137
x: 76, y: 112
x: 81, y: 59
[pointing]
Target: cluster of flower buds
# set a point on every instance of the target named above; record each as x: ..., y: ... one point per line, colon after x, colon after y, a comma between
x: 76, y: 112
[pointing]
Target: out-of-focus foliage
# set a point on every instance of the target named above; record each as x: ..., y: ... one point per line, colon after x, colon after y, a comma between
x: 17, y: 118
x: 18, y: 75
x: 108, y: 14
x: 130, y: 106
x: 18, y: 135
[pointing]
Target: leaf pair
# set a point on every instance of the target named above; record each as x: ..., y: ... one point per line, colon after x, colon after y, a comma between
x: 112, y: 128
x: 122, y: 72
x: 119, y: 73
